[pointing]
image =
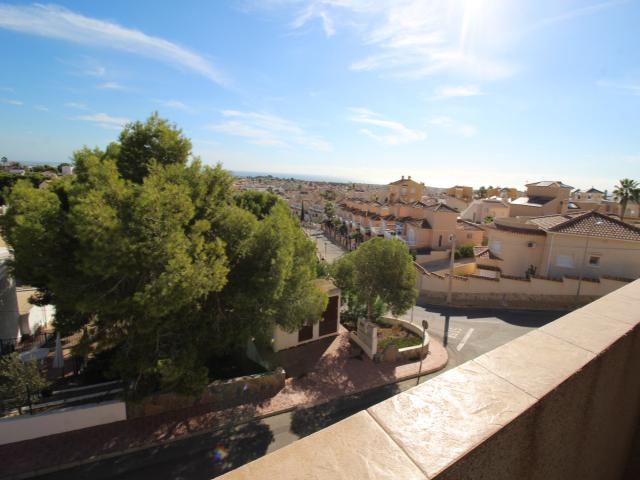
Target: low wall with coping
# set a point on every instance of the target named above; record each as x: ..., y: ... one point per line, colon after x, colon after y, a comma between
x: 535, y: 292
x: 406, y: 354
x: 219, y: 394
x: 26, y: 427
x: 560, y: 402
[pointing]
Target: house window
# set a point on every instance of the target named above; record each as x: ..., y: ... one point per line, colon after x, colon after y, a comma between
x: 440, y: 241
x: 594, y: 261
x: 565, y: 261
x: 469, y: 235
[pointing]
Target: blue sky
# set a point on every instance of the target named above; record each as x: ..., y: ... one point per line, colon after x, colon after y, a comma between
x: 471, y: 92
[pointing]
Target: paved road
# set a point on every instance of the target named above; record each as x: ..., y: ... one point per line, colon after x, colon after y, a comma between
x: 466, y: 333
x: 469, y: 332
x: 326, y: 248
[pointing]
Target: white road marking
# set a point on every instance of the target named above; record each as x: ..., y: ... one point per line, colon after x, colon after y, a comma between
x: 454, y: 332
x: 464, y: 339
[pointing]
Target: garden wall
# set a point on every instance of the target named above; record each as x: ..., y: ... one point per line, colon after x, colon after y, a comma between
x: 535, y: 292
x: 25, y: 427
x: 219, y: 394
x: 406, y: 354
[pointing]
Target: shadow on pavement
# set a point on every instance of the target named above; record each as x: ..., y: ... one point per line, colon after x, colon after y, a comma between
x: 522, y: 318
x: 309, y: 420
x: 198, y: 458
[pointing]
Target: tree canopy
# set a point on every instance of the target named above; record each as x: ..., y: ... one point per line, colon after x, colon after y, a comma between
x: 161, y: 257
x: 379, y: 270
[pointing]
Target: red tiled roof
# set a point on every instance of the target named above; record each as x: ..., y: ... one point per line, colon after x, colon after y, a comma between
x: 466, y: 225
x: 484, y: 252
x: 595, y: 224
x: 442, y: 206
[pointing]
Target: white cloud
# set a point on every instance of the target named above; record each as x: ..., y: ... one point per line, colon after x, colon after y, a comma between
x: 386, y: 131
x: 575, y: 13
x: 175, y: 104
x: 443, y: 93
x: 450, y: 124
x: 10, y: 101
x: 627, y: 87
x: 417, y: 38
x: 78, y: 105
x: 41, y: 108
x: 103, y: 120
x: 111, y: 86
x: 268, y: 130
x: 7, y: 89
x: 53, y: 21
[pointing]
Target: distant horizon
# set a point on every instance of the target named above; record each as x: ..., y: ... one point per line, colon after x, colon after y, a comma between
x: 319, y: 177
x: 469, y: 92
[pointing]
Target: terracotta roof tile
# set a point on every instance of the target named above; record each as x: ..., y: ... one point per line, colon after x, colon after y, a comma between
x: 595, y: 224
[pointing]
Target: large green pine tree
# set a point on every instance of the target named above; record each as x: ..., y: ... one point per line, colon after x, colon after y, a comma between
x: 160, y: 257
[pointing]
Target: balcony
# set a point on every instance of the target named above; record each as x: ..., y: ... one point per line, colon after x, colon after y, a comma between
x: 559, y: 402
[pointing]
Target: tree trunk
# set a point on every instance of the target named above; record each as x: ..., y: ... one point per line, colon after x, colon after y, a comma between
x: 624, y: 207
x: 370, y: 310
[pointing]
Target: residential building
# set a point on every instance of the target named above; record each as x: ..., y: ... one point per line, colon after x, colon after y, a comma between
x: 453, y: 202
x: 594, y: 199
x: 461, y: 192
x: 542, y: 198
x: 584, y: 244
x: 313, y: 330
x: 405, y: 190
x: 422, y: 225
x: 482, y: 208
x: 507, y: 193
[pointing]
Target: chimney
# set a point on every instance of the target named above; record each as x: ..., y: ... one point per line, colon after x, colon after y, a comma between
x: 402, y: 177
x: 409, y: 177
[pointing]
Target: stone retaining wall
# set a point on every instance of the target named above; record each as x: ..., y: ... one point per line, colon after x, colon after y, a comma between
x: 220, y: 395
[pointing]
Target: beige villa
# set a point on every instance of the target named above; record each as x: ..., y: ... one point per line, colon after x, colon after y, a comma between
x: 594, y: 199
x: 542, y: 198
x: 485, y: 207
x: 587, y: 244
x: 405, y: 190
x: 461, y: 192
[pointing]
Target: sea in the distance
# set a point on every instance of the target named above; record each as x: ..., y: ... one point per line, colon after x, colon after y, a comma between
x: 297, y: 176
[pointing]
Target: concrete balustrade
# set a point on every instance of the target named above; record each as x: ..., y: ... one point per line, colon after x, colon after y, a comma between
x: 561, y: 402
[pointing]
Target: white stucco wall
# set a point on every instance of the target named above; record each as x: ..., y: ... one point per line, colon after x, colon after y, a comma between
x: 25, y: 427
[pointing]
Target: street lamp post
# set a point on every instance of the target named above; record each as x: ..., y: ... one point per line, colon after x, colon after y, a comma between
x: 425, y: 325
x: 584, y: 257
x: 325, y: 250
x: 452, y: 239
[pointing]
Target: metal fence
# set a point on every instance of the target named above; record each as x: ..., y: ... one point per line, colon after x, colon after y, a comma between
x: 26, y: 342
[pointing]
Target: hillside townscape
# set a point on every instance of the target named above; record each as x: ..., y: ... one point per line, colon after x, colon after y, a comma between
x: 319, y: 239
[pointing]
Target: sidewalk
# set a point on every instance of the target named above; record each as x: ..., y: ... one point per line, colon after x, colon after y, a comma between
x: 323, y: 371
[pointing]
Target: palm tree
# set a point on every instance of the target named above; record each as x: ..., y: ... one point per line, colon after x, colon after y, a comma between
x: 626, y: 191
